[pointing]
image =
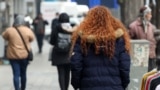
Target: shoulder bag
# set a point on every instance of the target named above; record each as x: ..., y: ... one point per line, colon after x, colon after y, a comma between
x: 30, y: 54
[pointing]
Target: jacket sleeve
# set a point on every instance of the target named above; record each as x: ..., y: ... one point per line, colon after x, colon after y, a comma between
x: 31, y: 36
x: 53, y: 38
x: 45, y: 22
x: 124, y: 64
x: 76, y: 66
x: 52, y: 24
x: 34, y: 23
x: 5, y: 34
x: 132, y: 32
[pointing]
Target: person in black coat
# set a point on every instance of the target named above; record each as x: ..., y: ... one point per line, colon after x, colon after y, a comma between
x: 39, y: 29
x: 60, y: 58
x: 100, y: 60
x: 55, y: 21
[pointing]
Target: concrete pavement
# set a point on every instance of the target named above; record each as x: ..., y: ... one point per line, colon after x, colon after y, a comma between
x: 41, y: 75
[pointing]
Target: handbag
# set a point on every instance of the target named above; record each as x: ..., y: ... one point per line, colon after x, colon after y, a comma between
x: 30, y: 54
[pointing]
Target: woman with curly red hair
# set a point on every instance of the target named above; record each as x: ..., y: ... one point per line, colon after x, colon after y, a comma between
x: 100, y: 53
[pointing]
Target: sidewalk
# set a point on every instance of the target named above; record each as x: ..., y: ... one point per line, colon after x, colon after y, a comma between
x: 41, y: 75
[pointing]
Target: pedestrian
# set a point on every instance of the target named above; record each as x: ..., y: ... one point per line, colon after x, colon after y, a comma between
x: 55, y: 21
x: 100, y: 60
x: 39, y: 29
x: 142, y: 28
x: 61, y: 40
x: 16, y: 51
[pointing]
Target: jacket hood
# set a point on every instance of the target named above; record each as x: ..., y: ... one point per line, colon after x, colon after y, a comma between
x: 19, y: 20
x: 91, y: 38
x: 67, y: 27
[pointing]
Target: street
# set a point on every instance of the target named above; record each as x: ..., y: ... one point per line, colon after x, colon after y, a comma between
x: 41, y: 75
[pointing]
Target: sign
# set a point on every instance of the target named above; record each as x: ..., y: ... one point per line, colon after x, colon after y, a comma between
x: 93, y: 3
x: 140, y: 52
x: 139, y: 62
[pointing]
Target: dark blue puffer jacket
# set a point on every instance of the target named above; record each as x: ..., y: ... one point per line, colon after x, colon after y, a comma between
x: 98, y: 72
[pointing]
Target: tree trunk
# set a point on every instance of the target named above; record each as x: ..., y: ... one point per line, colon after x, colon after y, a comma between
x: 130, y: 10
x: 158, y: 14
x: 153, y: 7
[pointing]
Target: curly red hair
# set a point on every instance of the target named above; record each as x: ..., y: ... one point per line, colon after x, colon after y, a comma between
x: 101, y: 23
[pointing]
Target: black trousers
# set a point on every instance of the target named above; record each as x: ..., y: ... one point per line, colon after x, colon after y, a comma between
x: 64, y: 76
x: 40, y: 41
x: 151, y: 64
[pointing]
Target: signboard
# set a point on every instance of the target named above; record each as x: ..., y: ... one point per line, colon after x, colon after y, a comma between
x: 140, y: 52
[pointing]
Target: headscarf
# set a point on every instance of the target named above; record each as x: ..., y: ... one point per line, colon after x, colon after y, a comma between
x: 19, y: 20
x: 143, y: 12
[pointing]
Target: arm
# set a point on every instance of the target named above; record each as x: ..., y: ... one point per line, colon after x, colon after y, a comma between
x: 76, y: 66
x: 35, y: 21
x: 5, y: 35
x: 54, y: 36
x: 31, y: 37
x: 45, y: 22
x: 52, y: 24
x: 124, y: 64
x: 132, y: 32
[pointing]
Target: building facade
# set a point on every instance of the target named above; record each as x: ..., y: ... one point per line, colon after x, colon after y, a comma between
x: 8, y: 8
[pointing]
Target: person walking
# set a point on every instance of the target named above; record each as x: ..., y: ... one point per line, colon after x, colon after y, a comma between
x: 100, y: 60
x: 39, y: 29
x: 55, y: 21
x: 61, y: 40
x: 142, y: 28
x: 16, y: 51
